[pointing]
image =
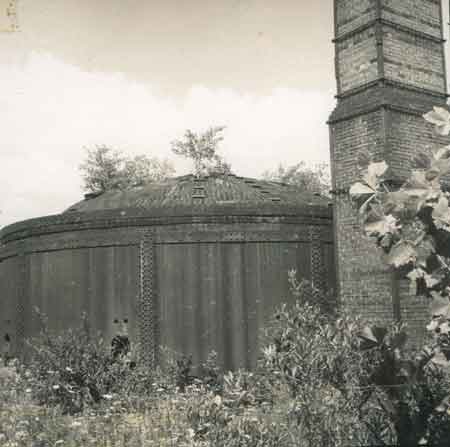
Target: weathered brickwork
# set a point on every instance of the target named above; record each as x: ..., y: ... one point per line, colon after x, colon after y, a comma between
x: 360, y: 270
x: 351, y: 14
x: 423, y: 15
x: 352, y: 137
x: 414, y: 311
x: 357, y: 57
x: 389, y: 70
x: 410, y: 134
x: 365, y: 286
x: 417, y: 14
x: 413, y: 59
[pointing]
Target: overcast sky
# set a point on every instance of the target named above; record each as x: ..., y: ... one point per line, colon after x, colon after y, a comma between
x: 134, y: 74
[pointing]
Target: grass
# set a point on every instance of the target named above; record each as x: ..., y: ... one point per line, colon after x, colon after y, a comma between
x: 167, y: 419
x: 158, y: 422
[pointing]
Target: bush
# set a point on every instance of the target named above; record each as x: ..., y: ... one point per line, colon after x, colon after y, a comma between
x: 354, y: 384
x: 75, y: 370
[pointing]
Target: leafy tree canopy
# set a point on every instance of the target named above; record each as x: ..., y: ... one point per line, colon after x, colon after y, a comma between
x: 106, y: 168
x: 202, y: 149
x: 314, y: 179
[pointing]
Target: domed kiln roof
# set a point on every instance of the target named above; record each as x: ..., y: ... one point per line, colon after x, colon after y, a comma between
x: 210, y: 191
x: 180, y: 200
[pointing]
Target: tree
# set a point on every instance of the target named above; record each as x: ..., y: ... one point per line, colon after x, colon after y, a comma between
x: 105, y: 169
x: 142, y: 169
x: 313, y: 179
x: 202, y: 150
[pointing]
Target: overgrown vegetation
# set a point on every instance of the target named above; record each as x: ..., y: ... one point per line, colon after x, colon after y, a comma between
x: 315, y: 179
x: 321, y: 379
x: 202, y: 149
x: 105, y: 169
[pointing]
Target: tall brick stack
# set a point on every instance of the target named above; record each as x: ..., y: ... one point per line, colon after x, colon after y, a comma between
x: 390, y: 69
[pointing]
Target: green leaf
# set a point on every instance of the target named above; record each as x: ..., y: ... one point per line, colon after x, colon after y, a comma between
x: 444, y: 328
x: 374, y: 172
x: 359, y: 189
x: 440, y: 359
x: 362, y: 194
x: 399, y: 203
x: 442, y: 153
x: 440, y: 117
x: 371, y: 336
x: 441, y: 214
x: 432, y: 325
x: 417, y: 184
x: 442, y: 166
x: 425, y: 247
x: 382, y: 226
x: 416, y: 274
x: 433, y: 280
x: 367, y: 334
x: 402, y: 253
x: 439, y: 305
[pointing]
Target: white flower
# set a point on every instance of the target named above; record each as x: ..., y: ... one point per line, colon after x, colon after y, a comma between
x: 270, y: 352
x: 70, y: 370
x: 55, y: 387
x: 218, y: 400
x: 28, y: 390
x: 75, y: 424
x: 107, y: 396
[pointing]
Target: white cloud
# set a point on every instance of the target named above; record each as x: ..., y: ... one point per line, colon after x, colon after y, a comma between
x: 50, y: 110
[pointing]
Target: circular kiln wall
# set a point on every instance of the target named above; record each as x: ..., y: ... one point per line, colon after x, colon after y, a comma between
x: 192, y: 286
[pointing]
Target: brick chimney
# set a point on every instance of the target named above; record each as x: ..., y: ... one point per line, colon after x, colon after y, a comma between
x: 390, y: 69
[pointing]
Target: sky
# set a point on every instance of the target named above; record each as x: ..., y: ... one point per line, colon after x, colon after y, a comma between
x: 135, y: 74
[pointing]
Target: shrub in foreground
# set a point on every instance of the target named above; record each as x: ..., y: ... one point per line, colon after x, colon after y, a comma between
x: 355, y: 384
x: 76, y: 370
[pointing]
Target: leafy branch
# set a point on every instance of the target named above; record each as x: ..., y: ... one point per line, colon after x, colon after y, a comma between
x: 412, y: 226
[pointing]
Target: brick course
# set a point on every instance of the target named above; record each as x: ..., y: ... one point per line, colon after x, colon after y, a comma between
x: 357, y: 59
x: 351, y: 14
x: 413, y: 59
x: 422, y: 14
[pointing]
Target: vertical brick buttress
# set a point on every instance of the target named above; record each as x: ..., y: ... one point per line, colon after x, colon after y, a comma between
x: 390, y: 69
